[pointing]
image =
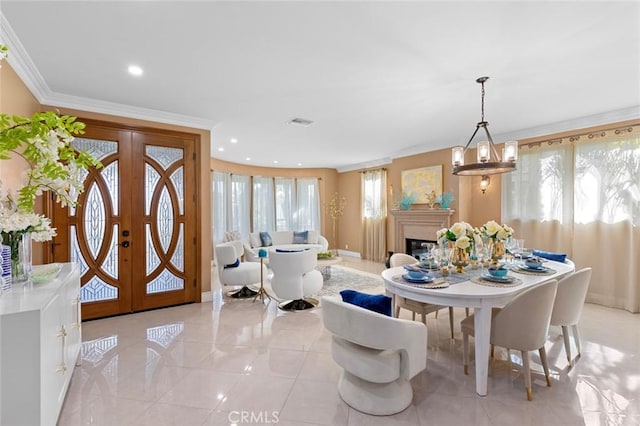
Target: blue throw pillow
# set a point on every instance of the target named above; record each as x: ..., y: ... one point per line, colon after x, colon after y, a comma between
x: 265, y: 237
x: 374, y: 302
x: 233, y: 265
x: 558, y: 257
x: 300, y: 237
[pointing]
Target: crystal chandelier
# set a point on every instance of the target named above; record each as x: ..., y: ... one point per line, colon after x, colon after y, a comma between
x: 488, y: 160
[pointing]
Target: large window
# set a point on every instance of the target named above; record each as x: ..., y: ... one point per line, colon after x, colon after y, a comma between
x: 374, y: 213
x: 581, y: 195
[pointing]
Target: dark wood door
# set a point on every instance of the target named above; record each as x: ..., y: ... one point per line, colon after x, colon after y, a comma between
x: 134, y: 231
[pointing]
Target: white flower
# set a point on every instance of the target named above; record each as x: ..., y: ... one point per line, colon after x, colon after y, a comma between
x: 463, y: 242
x: 441, y: 233
x: 491, y: 228
x: 459, y: 229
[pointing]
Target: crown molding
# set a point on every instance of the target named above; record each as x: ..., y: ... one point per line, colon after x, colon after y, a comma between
x: 25, y: 68
x: 364, y: 165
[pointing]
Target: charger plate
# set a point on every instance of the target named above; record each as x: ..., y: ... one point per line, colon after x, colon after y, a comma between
x: 435, y: 284
x: 483, y: 281
x: 528, y: 271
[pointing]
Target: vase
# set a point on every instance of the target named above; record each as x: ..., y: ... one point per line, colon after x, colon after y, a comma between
x: 497, y: 251
x: 19, y: 244
x: 459, y: 259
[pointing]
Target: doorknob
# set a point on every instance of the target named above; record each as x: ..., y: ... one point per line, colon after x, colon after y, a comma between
x: 125, y: 233
x: 124, y: 244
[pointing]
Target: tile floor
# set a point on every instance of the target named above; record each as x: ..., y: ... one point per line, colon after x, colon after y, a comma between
x: 238, y: 362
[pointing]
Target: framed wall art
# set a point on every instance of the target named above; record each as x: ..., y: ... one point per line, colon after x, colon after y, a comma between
x: 421, y: 182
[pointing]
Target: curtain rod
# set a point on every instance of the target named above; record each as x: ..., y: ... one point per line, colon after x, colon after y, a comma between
x: 371, y: 170
x: 574, y: 137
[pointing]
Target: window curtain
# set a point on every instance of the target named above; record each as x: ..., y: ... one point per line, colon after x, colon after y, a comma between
x: 374, y: 214
x: 308, y: 212
x: 220, y: 188
x: 286, y: 204
x: 582, y: 196
x: 263, y: 204
x: 240, y: 204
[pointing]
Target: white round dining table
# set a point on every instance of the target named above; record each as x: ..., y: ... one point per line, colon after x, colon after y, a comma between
x: 481, y: 298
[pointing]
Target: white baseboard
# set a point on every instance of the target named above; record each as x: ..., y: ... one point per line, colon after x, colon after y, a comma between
x: 349, y: 253
x: 206, y: 296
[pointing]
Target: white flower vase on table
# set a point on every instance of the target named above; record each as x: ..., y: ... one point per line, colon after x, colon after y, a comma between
x: 20, y: 255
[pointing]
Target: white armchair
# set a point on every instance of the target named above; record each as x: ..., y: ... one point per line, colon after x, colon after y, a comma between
x: 378, y: 354
x: 295, y: 278
x: 243, y: 275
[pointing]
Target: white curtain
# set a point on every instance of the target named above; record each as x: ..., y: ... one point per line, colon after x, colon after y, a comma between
x: 220, y: 188
x: 308, y: 211
x: 583, y: 198
x: 241, y: 204
x: 374, y: 214
x: 286, y: 204
x: 264, y: 218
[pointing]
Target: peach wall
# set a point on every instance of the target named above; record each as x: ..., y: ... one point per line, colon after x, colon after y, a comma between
x: 16, y: 99
x: 328, y: 183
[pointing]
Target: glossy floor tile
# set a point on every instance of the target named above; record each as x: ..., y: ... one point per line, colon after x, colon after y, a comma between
x: 238, y: 362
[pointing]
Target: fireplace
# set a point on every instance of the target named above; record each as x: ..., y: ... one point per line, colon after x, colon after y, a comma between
x: 414, y: 246
x: 418, y: 224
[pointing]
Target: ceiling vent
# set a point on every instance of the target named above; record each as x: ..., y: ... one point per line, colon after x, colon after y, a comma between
x: 300, y: 122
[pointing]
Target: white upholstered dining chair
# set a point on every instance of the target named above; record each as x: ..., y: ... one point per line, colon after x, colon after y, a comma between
x: 423, y: 309
x: 522, y: 324
x: 295, y: 278
x: 567, y: 309
x: 236, y: 273
x: 379, y: 356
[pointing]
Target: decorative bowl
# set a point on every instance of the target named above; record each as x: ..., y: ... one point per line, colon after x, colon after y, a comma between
x: 498, y: 272
x: 43, y: 273
x: 533, y: 262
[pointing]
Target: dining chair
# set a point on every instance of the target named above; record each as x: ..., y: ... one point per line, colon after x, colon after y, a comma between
x: 567, y: 308
x: 522, y: 324
x: 399, y: 259
x: 295, y: 278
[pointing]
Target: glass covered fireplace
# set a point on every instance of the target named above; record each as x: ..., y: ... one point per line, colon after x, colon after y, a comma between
x: 415, y: 247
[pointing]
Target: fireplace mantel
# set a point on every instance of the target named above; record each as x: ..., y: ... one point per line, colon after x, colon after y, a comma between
x: 419, y: 224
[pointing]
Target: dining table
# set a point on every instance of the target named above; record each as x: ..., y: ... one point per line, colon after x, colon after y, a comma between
x: 469, y: 290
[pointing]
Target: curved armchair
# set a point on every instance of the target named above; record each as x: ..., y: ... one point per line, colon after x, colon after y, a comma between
x: 522, y: 324
x: 399, y: 259
x: 378, y: 354
x: 295, y: 278
x: 572, y: 290
x: 242, y: 275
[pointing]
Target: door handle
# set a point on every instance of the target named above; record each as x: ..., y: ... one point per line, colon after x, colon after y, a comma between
x: 124, y: 244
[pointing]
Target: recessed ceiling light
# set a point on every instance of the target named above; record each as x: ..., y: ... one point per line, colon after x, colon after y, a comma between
x: 275, y: 161
x: 234, y: 140
x: 299, y: 164
x: 220, y: 149
x: 135, y: 70
x: 248, y: 159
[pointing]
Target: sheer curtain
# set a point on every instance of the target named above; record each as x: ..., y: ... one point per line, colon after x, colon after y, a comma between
x: 308, y: 211
x: 374, y: 214
x: 220, y: 188
x: 286, y: 204
x: 240, y: 204
x: 582, y: 197
x: 263, y: 204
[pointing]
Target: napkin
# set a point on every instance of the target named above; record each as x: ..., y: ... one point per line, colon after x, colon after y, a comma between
x: 558, y: 257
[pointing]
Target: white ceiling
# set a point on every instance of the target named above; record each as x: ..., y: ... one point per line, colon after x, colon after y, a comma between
x: 379, y: 79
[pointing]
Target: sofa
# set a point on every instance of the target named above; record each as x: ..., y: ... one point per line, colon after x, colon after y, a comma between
x: 283, y: 240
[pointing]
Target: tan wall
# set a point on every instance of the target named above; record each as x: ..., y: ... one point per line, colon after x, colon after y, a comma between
x: 350, y: 224
x: 328, y: 183
x: 16, y: 99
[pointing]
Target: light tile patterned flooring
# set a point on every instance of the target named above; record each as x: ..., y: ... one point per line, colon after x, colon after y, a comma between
x: 238, y: 362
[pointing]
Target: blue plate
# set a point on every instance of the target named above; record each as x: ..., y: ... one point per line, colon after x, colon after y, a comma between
x: 505, y: 279
x: 529, y: 268
x: 424, y: 280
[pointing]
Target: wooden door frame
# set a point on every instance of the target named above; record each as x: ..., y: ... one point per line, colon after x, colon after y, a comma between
x: 48, y: 202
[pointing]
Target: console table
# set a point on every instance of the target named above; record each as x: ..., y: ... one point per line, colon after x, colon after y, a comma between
x: 40, y: 340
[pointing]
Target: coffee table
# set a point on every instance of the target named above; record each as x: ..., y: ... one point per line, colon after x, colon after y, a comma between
x: 324, y: 266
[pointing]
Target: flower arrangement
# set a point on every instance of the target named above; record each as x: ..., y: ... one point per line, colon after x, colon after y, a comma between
x: 461, y: 234
x: 497, y: 232
x: 445, y: 199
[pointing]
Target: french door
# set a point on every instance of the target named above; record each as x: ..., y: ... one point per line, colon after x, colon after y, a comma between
x: 133, y: 233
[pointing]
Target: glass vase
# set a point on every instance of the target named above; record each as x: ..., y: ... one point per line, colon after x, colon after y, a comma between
x: 20, y: 246
x: 459, y: 259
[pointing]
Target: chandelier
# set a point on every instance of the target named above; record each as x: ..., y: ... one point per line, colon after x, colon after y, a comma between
x: 488, y: 160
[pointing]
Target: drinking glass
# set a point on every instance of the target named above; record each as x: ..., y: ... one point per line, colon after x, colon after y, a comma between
x: 519, y: 248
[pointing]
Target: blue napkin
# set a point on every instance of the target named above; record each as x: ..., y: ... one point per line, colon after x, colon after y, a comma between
x: 557, y: 257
